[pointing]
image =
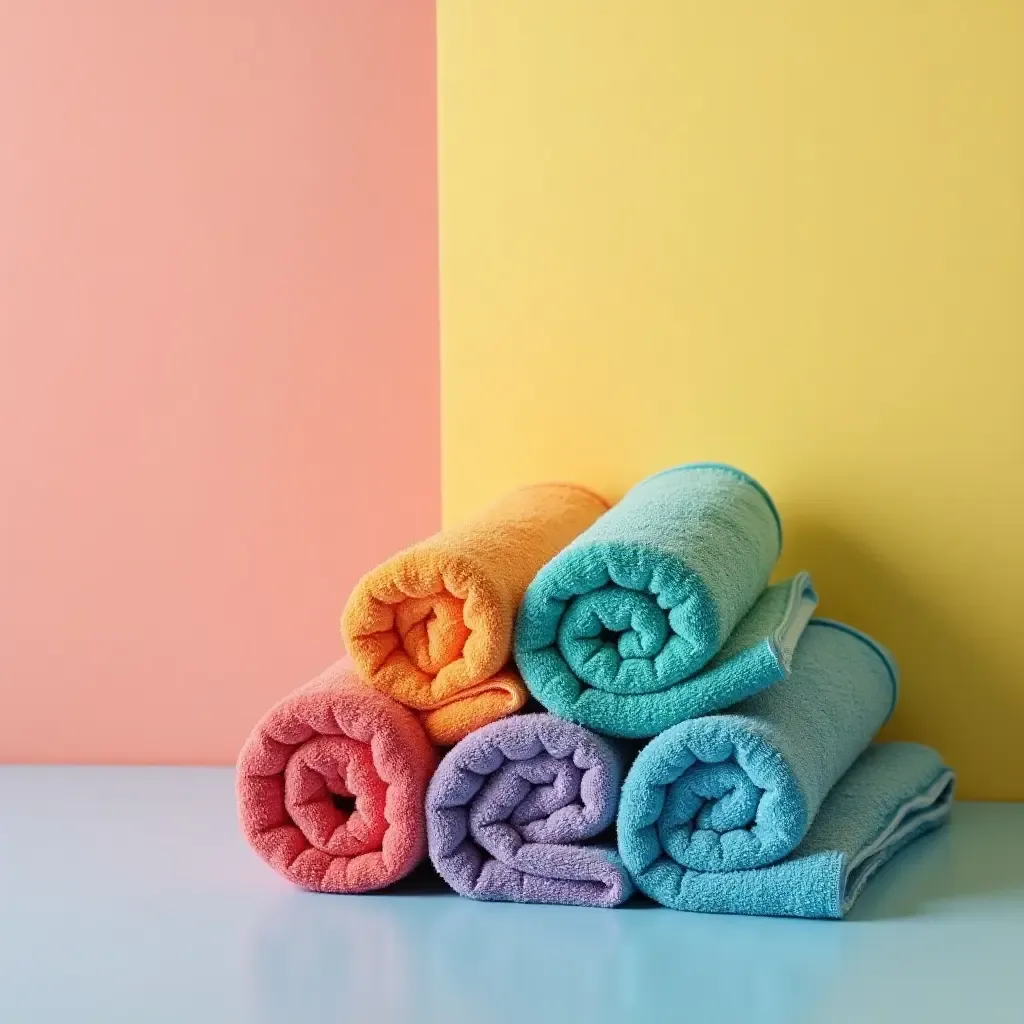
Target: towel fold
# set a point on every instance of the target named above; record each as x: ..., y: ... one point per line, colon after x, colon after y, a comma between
x: 331, y: 784
x: 511, y: 810
x: 713, y: 798
x: 659, y: 611
x: 432, y: 626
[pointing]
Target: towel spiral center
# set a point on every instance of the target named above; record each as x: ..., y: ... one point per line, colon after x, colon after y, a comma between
x: 334, y: 795
x: 432, y: 629
x: 708, y: 815
x: 610, y: 637
x: 521, y: 803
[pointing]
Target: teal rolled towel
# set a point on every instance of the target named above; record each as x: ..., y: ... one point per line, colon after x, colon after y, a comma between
x: 781, y: 807
x: 661, y: 610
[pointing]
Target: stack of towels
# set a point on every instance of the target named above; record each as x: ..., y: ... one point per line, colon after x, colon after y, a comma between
x: 697, y: 733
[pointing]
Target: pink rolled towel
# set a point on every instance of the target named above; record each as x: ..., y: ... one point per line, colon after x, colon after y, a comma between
x: 331, y: 786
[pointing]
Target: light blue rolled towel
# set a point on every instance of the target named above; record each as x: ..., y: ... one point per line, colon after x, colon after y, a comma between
x: 893, y: 794
x: 741, y: 813
x: 661, y: 610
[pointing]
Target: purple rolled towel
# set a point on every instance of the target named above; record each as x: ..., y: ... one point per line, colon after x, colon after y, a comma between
x: 513, y: 809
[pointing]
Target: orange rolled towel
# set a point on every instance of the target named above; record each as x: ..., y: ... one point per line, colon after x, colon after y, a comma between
x: 432, y: 626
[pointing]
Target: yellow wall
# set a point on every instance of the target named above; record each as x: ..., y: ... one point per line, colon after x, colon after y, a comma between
x: 787, y: 235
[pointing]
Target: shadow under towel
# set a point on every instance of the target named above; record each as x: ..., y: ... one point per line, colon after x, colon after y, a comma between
x: 512, y: 810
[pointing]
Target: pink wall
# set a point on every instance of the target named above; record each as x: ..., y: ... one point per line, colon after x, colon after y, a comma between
x: 218, y: 334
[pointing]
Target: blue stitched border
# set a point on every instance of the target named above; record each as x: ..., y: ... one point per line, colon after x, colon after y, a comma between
x: 882, y: 652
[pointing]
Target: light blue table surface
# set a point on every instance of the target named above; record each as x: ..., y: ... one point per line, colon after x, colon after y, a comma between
x: 127, y: 894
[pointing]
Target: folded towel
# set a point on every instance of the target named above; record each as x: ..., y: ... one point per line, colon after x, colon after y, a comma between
x: 659, y: 611
x: 331, y: 785
x: 894, y: 793
x: 511, y: 807
x: 432, y: 626
x: 729, y: 793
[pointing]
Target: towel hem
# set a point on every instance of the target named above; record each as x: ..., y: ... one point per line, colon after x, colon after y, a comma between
x: 905, y: 822
x: 803, y: 599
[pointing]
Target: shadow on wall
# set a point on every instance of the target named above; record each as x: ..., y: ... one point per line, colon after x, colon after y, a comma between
x: 943, y: 668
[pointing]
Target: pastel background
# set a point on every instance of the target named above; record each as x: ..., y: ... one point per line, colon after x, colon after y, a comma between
x: 788, y: 236
x: 218, y: 355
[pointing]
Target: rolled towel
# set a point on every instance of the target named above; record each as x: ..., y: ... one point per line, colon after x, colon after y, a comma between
x: 894, y: 793
x: 659, y: 611
x: 432, y: 626
x: 729, y: 793
x: 512, y: 808
x: 331, y: 784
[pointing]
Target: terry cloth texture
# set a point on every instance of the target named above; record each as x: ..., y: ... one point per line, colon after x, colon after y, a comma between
x: 432, y: 626
x: 331, y: 785
x: 659, y: 611
x: 512, y: 810
x: 894, y: 793
x: 729, y: 793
